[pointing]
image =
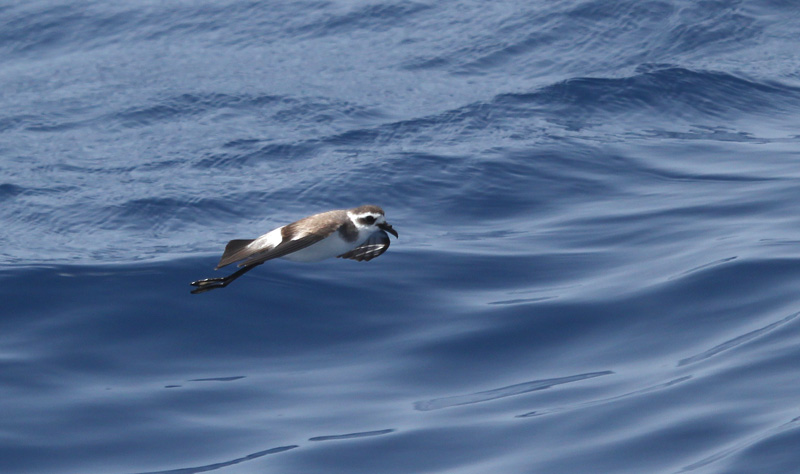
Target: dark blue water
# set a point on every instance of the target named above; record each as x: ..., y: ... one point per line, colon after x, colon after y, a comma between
x: 598, y: 267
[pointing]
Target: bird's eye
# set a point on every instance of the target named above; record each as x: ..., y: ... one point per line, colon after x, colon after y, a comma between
x: 369, y: 220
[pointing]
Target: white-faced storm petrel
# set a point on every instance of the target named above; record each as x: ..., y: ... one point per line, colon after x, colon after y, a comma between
x: 358, y: 234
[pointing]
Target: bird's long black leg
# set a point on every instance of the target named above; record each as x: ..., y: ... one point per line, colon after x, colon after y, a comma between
x: 209, y: 284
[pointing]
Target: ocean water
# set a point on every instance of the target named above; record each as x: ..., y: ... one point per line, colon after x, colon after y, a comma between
x: 599, y: 254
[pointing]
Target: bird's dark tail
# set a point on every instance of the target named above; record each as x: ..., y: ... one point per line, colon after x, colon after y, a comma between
x: 235, y: 250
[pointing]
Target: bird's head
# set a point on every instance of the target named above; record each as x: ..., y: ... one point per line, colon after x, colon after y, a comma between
x: 370, y: 218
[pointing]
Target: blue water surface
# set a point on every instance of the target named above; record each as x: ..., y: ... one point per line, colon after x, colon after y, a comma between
x: 599, y: 253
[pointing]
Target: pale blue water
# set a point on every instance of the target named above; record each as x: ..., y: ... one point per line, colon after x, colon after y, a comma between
x: 599, y: 253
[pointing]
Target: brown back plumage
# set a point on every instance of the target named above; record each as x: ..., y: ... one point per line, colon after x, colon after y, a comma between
x: 325, y: 222
x: 367, y: 208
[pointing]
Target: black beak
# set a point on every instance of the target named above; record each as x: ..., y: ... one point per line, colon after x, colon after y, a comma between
x: 385, y: 226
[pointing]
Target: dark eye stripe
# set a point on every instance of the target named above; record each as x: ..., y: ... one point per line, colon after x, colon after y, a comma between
x: 369, y: 220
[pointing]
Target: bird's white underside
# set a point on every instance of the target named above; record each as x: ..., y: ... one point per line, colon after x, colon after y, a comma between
x: 327, y: 248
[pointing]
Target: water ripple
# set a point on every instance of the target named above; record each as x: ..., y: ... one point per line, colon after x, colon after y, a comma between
x: 503, y: 392
x: 361, y: 434
x: 737, y: 341
x: 220, y: 465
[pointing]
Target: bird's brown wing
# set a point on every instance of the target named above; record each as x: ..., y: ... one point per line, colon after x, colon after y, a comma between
x: 295, y: 236
x: 284, y: 248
